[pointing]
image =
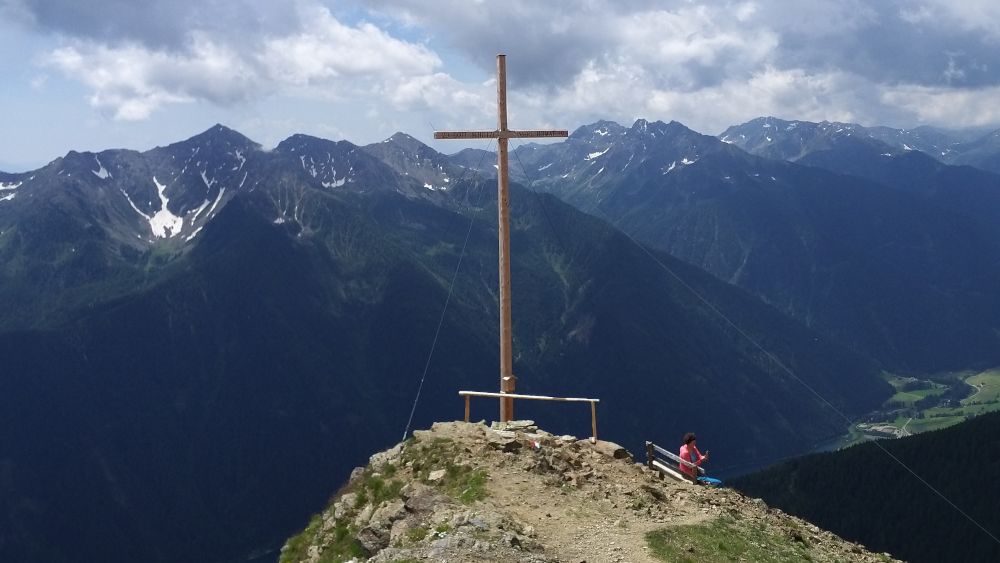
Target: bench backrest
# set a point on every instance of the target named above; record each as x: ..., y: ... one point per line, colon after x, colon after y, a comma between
x: 667, y: 462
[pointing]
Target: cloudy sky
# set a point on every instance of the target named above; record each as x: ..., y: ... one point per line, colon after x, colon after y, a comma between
x: 139, y: 73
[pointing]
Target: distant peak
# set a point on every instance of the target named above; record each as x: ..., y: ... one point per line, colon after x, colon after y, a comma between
x: 302, y: 141
x: 660, y: 128
x: 404, y: 141
x: 598, y: 129
x: 219, y: 133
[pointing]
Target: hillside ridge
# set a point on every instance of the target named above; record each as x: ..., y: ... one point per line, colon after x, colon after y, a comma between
x: 469, y: 492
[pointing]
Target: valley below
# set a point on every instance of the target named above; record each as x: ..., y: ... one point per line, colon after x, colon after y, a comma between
x: 923, y: 404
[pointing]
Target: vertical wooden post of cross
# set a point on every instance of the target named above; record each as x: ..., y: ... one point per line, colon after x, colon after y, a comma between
x: 508, y: 383
x: 502, y: 134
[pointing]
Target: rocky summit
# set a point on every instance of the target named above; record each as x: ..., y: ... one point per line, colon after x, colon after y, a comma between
x: 470, y: 492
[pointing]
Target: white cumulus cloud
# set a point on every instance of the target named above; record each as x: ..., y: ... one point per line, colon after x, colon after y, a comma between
x: 132, y: 80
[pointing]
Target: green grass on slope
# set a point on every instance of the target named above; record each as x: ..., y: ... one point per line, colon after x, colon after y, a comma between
x: 724, y: 539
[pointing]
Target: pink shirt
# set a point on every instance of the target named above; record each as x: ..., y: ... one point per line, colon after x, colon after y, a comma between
x: 685, y: 454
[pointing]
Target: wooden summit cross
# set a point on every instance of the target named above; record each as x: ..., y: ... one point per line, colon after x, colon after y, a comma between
x: 501, y: 134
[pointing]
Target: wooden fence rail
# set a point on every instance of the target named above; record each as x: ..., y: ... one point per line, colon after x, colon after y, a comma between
x: 593, y: 404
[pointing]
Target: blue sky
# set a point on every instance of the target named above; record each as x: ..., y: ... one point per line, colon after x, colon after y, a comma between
x: 140, y: 73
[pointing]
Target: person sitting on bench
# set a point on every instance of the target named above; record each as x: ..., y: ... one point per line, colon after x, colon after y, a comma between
x: 689, y: 452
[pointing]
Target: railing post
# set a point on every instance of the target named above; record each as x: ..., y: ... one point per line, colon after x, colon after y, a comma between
x: 593, y: 421
x: 467, y: 408
x: 649, y: 454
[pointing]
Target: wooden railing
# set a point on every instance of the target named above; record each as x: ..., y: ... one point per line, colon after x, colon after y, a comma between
x: 593, y: 404
x: 668, y: 463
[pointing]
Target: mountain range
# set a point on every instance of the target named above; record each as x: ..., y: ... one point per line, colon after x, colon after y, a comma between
x: 202, y: 339
x: 898, y: 260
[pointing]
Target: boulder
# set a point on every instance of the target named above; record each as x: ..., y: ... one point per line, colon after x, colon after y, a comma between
x: 344, y: 506
x: 374, y: 538
x: 421, y: 498
x: 609, y: 449
x: 399, y: 529
x: 364, y: 516
x: 392, y: 455
x: 515, y: 426
x: 390, y: 512
x: 503, y: 440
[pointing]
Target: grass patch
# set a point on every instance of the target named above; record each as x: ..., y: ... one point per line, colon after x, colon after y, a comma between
x: 296, y: 547
x: 465, y: 484
x: 339, y: 547
x: 723, y: 540
x: 988, y: 386
x: 934, y: 423
x: 416, y: 534
x: 381, y: 490
x: 461, y: 482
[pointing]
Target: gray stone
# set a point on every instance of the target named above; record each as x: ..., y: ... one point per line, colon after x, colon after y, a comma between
x: 503, y: 440
x: 364, y: 516
x: 399, y: 530
x: 391, y: 455
x: 447, y: 543
x: 516, y: 426
x: 390, y: 512
x: 373, y: 539
x: 479, y: 523
x: 422, y: 498
x: 436, y: 475
x: 344, y: 506
x: 609, y: 449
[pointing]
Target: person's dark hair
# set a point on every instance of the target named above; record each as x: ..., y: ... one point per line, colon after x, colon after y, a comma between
x: 689, y: 437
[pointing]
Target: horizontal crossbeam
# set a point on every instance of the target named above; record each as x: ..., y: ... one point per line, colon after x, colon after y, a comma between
x: 495, y: 134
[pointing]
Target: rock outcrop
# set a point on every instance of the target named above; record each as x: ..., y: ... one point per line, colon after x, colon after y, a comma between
x: 467, y: 492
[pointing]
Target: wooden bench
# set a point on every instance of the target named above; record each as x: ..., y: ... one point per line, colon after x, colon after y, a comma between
x: 668, y: 463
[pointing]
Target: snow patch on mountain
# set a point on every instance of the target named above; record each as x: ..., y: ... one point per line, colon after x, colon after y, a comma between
x: 594, y: 155
x: 164, y: 223
x: 198, y: 211
x: 192, y: 235
x: 9, y: 186
x: 208, y: 183
x: 102, y: 172
x: 218, y: 198
x: 8, y: 197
